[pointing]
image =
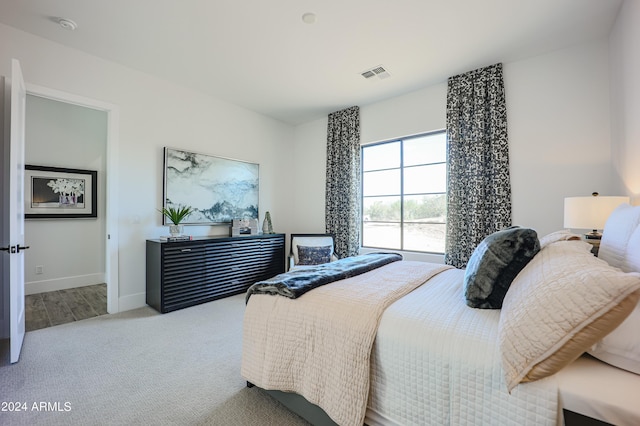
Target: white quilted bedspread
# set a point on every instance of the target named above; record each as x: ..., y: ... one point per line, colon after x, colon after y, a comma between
x: 319, y: 345
x: 436, y: 361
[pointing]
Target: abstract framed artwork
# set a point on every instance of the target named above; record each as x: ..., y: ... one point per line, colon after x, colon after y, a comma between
x: 217, y: 189
x: 60, y: 193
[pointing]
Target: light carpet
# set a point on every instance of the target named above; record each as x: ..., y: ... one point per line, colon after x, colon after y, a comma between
x: 138, y: 367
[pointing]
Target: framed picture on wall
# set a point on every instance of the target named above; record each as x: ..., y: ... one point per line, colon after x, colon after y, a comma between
x: 60, y: 193
x: 217, y: 189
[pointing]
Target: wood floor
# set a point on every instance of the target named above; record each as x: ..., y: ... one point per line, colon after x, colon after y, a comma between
x: 63, y: 306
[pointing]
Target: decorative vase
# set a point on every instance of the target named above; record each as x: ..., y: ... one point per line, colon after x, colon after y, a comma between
x: 267, y: 227
x: 175, y: 230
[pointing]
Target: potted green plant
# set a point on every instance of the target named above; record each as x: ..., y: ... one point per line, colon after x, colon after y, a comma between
x: 176, y: 215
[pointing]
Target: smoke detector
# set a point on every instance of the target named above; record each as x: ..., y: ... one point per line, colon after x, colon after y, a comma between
x: 67, y: 24
x: 309, y: 18
x: 378, y: 71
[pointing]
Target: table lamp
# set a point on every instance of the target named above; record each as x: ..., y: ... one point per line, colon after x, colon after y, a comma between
x: 590, y: 213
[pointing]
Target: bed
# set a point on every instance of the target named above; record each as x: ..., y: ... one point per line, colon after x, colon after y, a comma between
x: 400, y: 344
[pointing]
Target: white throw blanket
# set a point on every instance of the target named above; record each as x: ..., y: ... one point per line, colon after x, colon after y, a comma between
x: 319, y: 345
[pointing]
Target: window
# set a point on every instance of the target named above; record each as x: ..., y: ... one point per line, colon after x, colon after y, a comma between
x: 404, y: 193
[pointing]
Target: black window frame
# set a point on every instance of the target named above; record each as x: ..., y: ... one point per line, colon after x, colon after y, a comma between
x: 402, y: 195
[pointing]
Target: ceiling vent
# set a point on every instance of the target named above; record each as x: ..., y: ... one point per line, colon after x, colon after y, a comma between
x: 379, y: 71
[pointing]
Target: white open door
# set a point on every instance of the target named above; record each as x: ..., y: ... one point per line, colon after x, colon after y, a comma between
x: 14, y: 200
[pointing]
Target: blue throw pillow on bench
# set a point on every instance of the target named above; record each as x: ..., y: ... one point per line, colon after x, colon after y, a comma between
x: 316, y: 255
x: 495, y: 263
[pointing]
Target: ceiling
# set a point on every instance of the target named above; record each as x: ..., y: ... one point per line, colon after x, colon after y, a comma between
x: 262, y: 56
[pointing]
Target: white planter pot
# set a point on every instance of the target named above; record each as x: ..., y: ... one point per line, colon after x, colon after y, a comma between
x: 175, y: 230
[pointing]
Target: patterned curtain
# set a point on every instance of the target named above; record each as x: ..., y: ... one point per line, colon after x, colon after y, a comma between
x: 342, y: 210
x: 479, y: 188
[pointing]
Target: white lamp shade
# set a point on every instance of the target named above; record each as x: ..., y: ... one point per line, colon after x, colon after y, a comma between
x: 589, y: 212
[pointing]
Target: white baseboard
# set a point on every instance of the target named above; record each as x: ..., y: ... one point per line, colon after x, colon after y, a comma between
x: 132, y: 301
x: 63, y: 283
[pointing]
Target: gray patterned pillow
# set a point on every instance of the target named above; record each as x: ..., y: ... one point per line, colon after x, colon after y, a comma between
x: 314, y: 255
x: 495, y: 263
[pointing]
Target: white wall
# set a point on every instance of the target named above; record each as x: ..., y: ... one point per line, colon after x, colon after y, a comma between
x: 153, y: 114
x: 559, y: 132
x: 416, y: 112
x: 557, y: 107
x: 307, y: 177
x: 70, y: 251
x: 625, y: 100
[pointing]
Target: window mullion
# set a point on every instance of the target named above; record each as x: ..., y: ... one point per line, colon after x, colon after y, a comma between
x: 402, y: 194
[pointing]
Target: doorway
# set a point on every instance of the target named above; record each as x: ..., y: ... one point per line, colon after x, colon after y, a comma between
x: 88, y: 243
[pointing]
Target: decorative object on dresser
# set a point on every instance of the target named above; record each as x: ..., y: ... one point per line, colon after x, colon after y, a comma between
x: 241, y: 227
x: 267, y: 226
x: 176, y: 215
x: 186, y: 273
x: 219, y: 189
x: 590, y: 213
x: 176, y: 238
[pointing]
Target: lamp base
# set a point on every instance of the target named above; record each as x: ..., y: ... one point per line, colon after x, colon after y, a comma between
x: 593, y: 238
x: 593, y: 235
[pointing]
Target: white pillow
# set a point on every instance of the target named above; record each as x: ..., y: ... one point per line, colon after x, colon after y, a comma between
x: 631, y: 260
x: 621, y: 347
x: 617, y: 231
x: 562, y: 303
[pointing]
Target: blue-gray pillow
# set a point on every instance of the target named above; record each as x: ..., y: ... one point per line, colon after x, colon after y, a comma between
x: 495, y: 263
x: 316, y: 255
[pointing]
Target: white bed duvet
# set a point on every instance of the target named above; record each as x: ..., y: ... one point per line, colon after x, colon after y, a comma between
x: 436, y: 361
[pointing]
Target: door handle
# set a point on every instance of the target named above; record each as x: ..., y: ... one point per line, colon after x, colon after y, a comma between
x: 14, y: 249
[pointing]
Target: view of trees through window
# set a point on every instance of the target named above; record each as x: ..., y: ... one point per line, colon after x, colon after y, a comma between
x: 404, y: 194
